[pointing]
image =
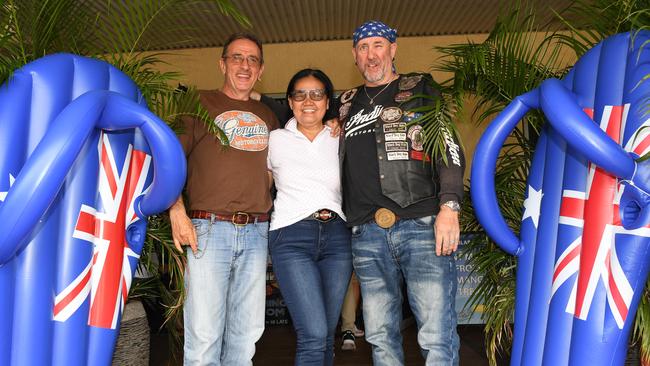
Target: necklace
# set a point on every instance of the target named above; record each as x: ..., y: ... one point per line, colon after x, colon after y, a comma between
x: 372, y: 100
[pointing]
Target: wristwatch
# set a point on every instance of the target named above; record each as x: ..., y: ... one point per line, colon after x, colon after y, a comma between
x: 454, y: 205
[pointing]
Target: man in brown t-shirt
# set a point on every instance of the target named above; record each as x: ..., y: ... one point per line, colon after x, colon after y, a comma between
x: 227, y: 226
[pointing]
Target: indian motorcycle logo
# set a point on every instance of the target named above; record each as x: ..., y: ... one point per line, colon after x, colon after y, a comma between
x: 245, y: 130
x: 362, y: 123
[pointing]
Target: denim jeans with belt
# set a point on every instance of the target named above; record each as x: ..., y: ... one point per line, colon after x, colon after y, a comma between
x: 312, y: 262
x: 383, y: 260
x: 225, y: 293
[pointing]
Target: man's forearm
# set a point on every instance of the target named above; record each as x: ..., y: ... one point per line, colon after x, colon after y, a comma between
x: 178, y: 206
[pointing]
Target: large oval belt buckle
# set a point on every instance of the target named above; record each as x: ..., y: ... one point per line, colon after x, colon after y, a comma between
x: 385, y: 218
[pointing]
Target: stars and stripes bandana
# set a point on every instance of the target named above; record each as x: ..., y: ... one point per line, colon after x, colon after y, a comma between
x: 374, y: 28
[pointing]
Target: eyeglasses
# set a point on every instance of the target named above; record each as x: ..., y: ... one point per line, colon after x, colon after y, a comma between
x: 238, y: 59
x: 314, y: 94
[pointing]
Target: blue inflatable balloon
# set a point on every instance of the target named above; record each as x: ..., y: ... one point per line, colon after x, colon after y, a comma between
x: 82, y: 165
x: 583, y: 255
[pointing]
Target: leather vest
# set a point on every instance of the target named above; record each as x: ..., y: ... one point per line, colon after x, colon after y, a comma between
x: 406, y: 177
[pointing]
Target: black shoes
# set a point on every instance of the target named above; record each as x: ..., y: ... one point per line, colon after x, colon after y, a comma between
x: 348, y: 341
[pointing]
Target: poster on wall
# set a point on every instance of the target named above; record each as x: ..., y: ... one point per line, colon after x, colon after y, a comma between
x: 276, y: 311
x: 467, y: 283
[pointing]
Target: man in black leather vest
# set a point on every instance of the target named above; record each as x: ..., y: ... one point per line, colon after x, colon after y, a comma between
x: 402, y: 206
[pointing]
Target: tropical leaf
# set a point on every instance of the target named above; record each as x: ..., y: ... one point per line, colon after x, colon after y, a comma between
x: 591, y: 21
x: 134, y: 26
x: 163, y: 267
x: 641, y: 329
x: 514, y: 58
x: 437, y: 115
x: 35, y: 28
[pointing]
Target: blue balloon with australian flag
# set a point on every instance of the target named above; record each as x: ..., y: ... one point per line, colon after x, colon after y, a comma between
x: 82, y: 165
x: 585, y: 232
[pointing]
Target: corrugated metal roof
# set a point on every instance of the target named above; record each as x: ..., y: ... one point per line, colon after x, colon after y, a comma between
x: 280, y: 21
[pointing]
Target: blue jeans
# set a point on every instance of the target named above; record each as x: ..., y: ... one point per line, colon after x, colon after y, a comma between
x: 383, y: 260
x: 312, y: 262
x: 225, y: 293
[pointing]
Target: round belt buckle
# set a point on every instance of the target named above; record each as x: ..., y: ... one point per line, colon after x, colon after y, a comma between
x: 385, y: 218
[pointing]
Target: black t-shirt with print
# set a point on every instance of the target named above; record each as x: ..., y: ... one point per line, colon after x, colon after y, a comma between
x: 361, y: 184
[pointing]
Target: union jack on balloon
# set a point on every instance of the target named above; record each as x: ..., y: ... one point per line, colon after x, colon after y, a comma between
x: 82, y: 165
x: 583, y: 250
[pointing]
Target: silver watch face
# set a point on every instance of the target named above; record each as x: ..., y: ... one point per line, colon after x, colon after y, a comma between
x: 454, y: 205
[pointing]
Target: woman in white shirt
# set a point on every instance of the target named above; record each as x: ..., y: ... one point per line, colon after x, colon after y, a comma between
x: 308, y: 239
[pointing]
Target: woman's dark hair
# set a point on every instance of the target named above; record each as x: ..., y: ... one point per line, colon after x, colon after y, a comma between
x: 327, y: 83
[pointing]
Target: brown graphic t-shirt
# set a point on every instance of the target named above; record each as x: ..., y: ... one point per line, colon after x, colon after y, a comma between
x: 227, y: 179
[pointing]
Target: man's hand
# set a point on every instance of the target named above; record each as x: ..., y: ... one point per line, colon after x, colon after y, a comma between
x: 447, y: 231
x: 335, y: 125
x: 183, y: 231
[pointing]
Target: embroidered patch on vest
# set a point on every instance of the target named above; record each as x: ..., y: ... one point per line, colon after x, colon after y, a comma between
x: 409, y: 82
x: 391, y: 114
x: 415, y: 135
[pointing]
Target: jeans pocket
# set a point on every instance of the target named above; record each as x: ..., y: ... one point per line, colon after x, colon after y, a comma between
x: 262, y: 229
x: 201, y: 227
x: 274, y: 237
x: 426, y: 221
x: 357, y: 230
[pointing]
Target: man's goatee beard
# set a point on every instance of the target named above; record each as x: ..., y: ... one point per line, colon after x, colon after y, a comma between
x: 379, y: 76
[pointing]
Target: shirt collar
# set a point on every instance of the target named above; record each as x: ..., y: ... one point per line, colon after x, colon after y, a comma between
x: 292, y: 125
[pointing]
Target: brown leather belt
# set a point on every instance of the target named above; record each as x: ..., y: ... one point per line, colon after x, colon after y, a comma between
x: 237, y: 218
x: 323, y: 215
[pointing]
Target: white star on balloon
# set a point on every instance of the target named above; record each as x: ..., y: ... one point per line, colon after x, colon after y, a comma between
x: 532, y: 205
x: 3, y: 195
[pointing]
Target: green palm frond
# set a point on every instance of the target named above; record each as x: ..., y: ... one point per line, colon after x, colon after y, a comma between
x: 514, y: 59
x: 163, y: 267
x: 591, y: 21
x: 34, y: 28
x: 438, y: 113
x: 10, y: 49
x: 495, y: 291
x: 174, y: 105
x: 143, y: 70
x: 642, y: 325
x: 128, y: 25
